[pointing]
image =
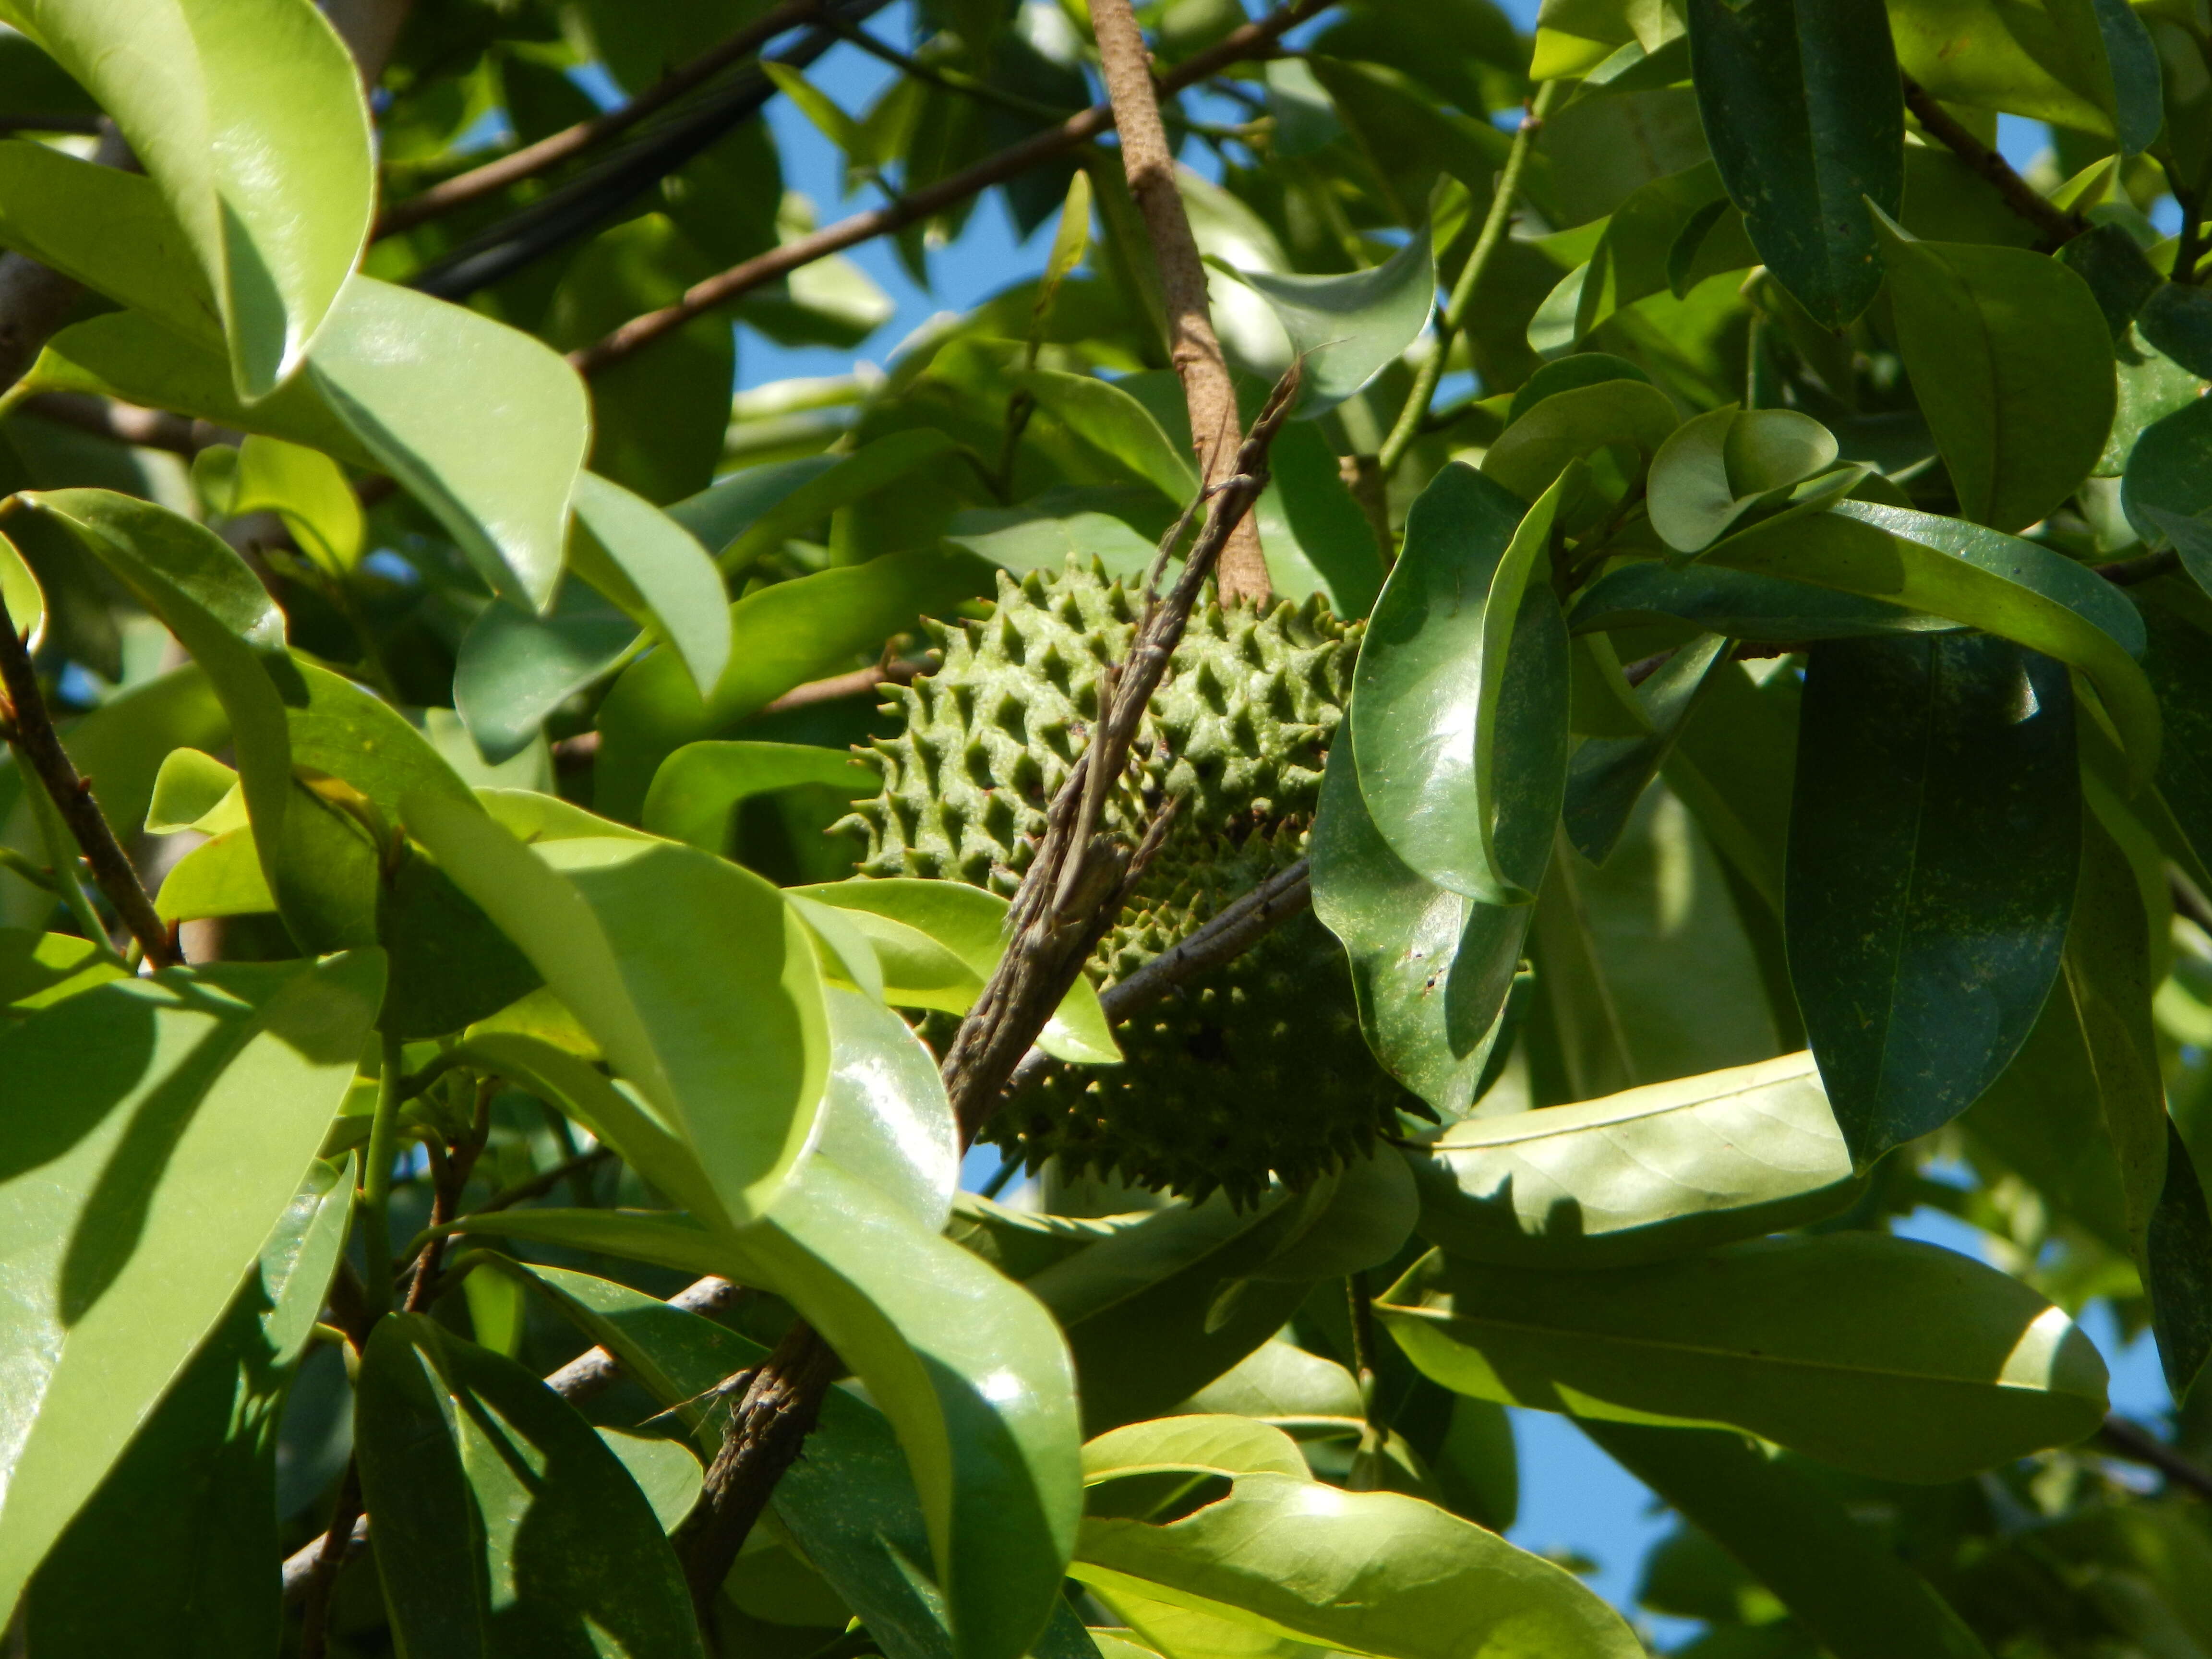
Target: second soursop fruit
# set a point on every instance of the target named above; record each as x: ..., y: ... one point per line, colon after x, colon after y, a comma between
x: 1253, y: 1069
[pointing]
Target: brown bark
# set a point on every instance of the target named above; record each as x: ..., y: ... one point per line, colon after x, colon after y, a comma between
x: 1192, y: 347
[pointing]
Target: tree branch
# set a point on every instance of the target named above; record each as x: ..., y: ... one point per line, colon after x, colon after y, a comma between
x: 2056, y: 224
x: 1193, y: 346
x: 1252, y: 40
x: 30, y: 727
x: 783, y: 1400
x: 2139, y: 1445
x: 533, y: 159
x: 126, y: 423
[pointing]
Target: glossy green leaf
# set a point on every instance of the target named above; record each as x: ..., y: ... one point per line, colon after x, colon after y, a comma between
x: 1715, y: 468
x: 1283, y: 1384
x: 1738, y: 604
x: 1431, y: 968
x: 2019, y: 590
x: 1802, y: 108
x: 514, y: 667
x: 2176, y: 318
x: 108, y: 228
x: 651, y: 566
x: 1347, y: 329
x: 1935, y: 839
x: 1797, y: 1341
x: 194, y: 1498
x: 1856, y: 1598
x: 1607, y: 776
x: 19, y: 587
x: 485, y: 425
x: 971, y: 924
x: 1372, y: 1573
x: 1046, y: 531
x: 308, y: 490
x: 1534, y: 450
x: 1103, y: 414
x: 507, y: 1525
x: 223, y: 878
x: 2109, y: 976
x: 698, y: 789
x: 154, y: 1094
x: 691, y: 973
x: 205, y: 93
x: 1581, y: 368
x: 782, y: 636
x: 1657, y: 1172
x: 2013, y: 363
x: 1426, y: 711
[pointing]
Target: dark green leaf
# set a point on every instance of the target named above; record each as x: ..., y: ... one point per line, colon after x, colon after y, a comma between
x: 1608, y: 776
x: 1347, y: 329
x: 1738, y: 604
x: 698, y: 788
x: 2018, y: 589
x: 1580, y: 369
x: 505, y: 1523
x: 2170, y: 468
x: 1825, y: 1565
x: 1430, y: 967
x: 1534, y: 450
x: 1716, y: 467
x: 2108, y: 973
x: 2012, y: 359
x: 1427, y: 706
x: 1934, y: 843
x: 515, y: 667
x: 1802, y: 108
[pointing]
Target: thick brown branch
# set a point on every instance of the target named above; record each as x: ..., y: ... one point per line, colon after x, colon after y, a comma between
x: 768, y: 1426
x: 31, y: 728
x: 533, y: 159
x: 1252, y: 40
x: 2054, y: 221
x: 1192, y: 347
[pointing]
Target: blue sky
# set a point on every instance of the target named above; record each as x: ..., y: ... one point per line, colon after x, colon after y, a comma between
x: 1573, y: 1496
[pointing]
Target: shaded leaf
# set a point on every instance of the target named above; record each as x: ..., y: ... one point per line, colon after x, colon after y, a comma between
x: 651, y: 566
x: 153, y: 1094
x: 1347, y: 329
x: 1796, y: 1340
x: 1935, y: 840
x: 2012, y: 361
x: 1802, y: 108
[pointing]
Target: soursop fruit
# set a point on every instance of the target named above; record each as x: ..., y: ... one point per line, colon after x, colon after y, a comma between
x: 1254, y: 1069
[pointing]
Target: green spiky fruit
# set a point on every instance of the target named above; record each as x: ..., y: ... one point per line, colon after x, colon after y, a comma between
x: 1254, y: 1069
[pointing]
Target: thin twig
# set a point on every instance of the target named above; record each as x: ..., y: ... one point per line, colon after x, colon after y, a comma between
x: 1453, y: 318
x: 127, y: 423
x: 2139, y: 1444
x: 1240, y: 925
x: 948, y: 80
x: 1192, y: 347
x: 30, y: 727
x: 321, y: 1576
x: 1252, y: 40
x: 2056, y: 224
x: 533, y: 159
x: 2126, y: 573
x: 539, y: 1185
x: 895, y: 672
